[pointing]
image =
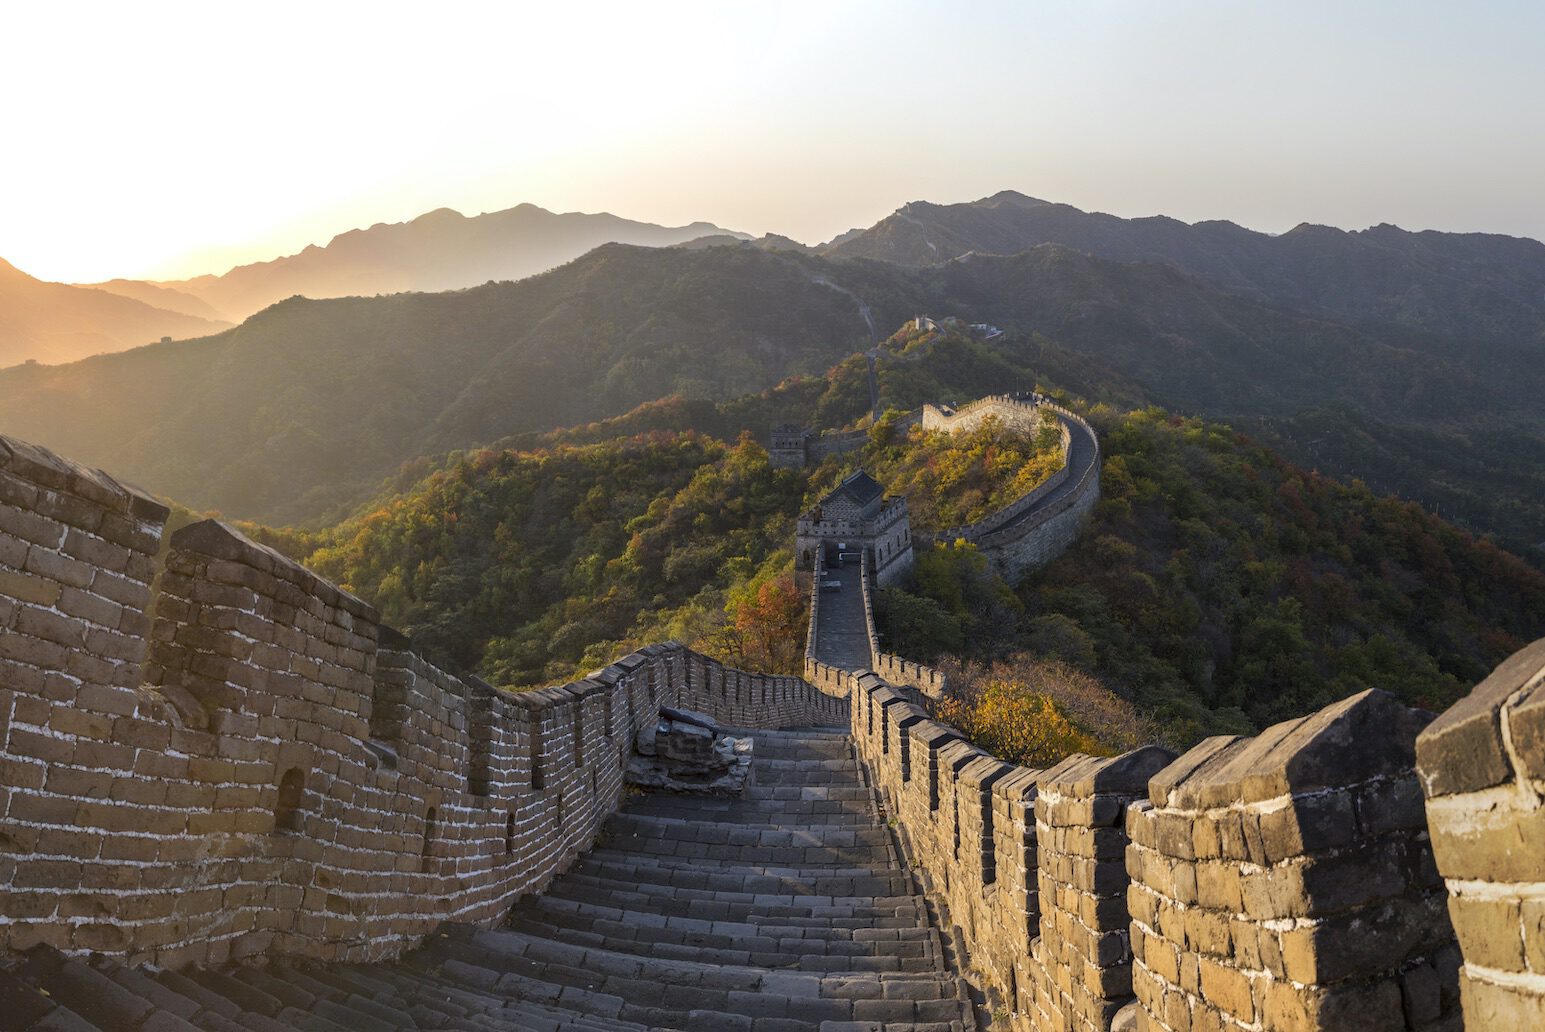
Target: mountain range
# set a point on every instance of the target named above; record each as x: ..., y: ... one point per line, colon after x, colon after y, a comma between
x: 1462, y: 284
x: 1406, y: 359
x: 308, y: 404
x: 439, y: 250
x: 57, y: 322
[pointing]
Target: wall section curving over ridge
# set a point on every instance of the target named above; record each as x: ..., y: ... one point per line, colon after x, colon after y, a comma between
x: 1038, y: 526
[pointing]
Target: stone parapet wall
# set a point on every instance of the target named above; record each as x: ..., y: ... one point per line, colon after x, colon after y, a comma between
x: 1020, y: 411
x: 1277, y: 882
x: 1029, y: 863
x: 894, y: 669
x: 1482, y: 766
x: 827, y: 679
x: 1081, y: 970
x: 1286, y: 881
x: 209, y: 753
x: 834, y: 442
x: 912, y: 674
x: 736, y: 698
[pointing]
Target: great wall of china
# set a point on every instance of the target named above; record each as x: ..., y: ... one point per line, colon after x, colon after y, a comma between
x: 1039, y: 526
x: 233, y: 800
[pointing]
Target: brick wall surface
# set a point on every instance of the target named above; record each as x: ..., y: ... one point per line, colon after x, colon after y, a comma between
x: 1482, y: 767
x: 1285, y: 881
x: 1279, y: 882
x: 207, y: 752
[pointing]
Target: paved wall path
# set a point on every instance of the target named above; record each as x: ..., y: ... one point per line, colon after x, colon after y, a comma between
x: 787, y: 911
x: 1082, y: 453
x: 842, y: 631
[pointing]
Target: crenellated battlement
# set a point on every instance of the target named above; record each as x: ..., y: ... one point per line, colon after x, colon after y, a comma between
x: 1020, y: 411
x: 1284, y: 881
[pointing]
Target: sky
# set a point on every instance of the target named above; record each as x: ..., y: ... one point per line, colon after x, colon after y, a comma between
x: 168, y: 139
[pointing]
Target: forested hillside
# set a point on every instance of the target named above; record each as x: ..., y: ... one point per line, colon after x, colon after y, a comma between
x: 1222, y: 588
x: 530, y: 566
x: 1217, y: 588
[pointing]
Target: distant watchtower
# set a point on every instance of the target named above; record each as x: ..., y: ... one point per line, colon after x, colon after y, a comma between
x: 857, y: 516
x: 790, y: 445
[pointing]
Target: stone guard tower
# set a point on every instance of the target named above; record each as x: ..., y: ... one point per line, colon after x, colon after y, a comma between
x: 790, y: 445
x: 857, y: 516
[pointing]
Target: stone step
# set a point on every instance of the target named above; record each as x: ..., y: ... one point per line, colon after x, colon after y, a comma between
x: 802, y: 749
x: 781, y: 817
x: 694, y: 901
x: 108, y: 997
x: 777, y: 813
x: 771, y: 945
x: 819, y: 881
x: 786, y: 910
x: 665, y: 993
x: 766, y: 924
x: 463, y: 1003
x: 720, y: 844
x: 787, y: 858
x: 836, y: 766
x: 865, y: 865
x: 681, y: 829
x: 915, y: 958
x: 855, y: 793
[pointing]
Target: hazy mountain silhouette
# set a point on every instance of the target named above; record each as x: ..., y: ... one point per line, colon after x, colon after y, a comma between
x: 440, y: 250
x: 309, y: 403
x: 1468, y: 284
x: 56, y: 322
x: 170, y: 299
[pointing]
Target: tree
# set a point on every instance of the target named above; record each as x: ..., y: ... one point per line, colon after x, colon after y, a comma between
x: 770, y: 620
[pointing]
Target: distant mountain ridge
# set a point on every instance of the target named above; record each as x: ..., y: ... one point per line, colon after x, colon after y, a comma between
x: 439, y: 250
x: 307, y: 405
x: 57, y: 322
x: 1468, y: 284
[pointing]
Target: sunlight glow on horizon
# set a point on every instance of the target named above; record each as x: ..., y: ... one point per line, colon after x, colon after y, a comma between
x: 170, y: 139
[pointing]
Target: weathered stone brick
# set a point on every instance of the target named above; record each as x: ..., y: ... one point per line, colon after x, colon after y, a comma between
x: 31, y: 588
x: 1490, y: 931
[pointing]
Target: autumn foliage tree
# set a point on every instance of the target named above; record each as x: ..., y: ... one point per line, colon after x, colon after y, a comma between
x: 1037, y: 712
x: 769, y: 619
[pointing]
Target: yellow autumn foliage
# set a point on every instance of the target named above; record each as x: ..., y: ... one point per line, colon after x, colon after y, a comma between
x: 1018, y: 724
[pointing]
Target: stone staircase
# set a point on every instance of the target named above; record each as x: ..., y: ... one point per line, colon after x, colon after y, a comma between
x: 789, y: 910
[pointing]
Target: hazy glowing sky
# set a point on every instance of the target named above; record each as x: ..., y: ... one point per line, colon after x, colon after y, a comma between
x: 167, y: 139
